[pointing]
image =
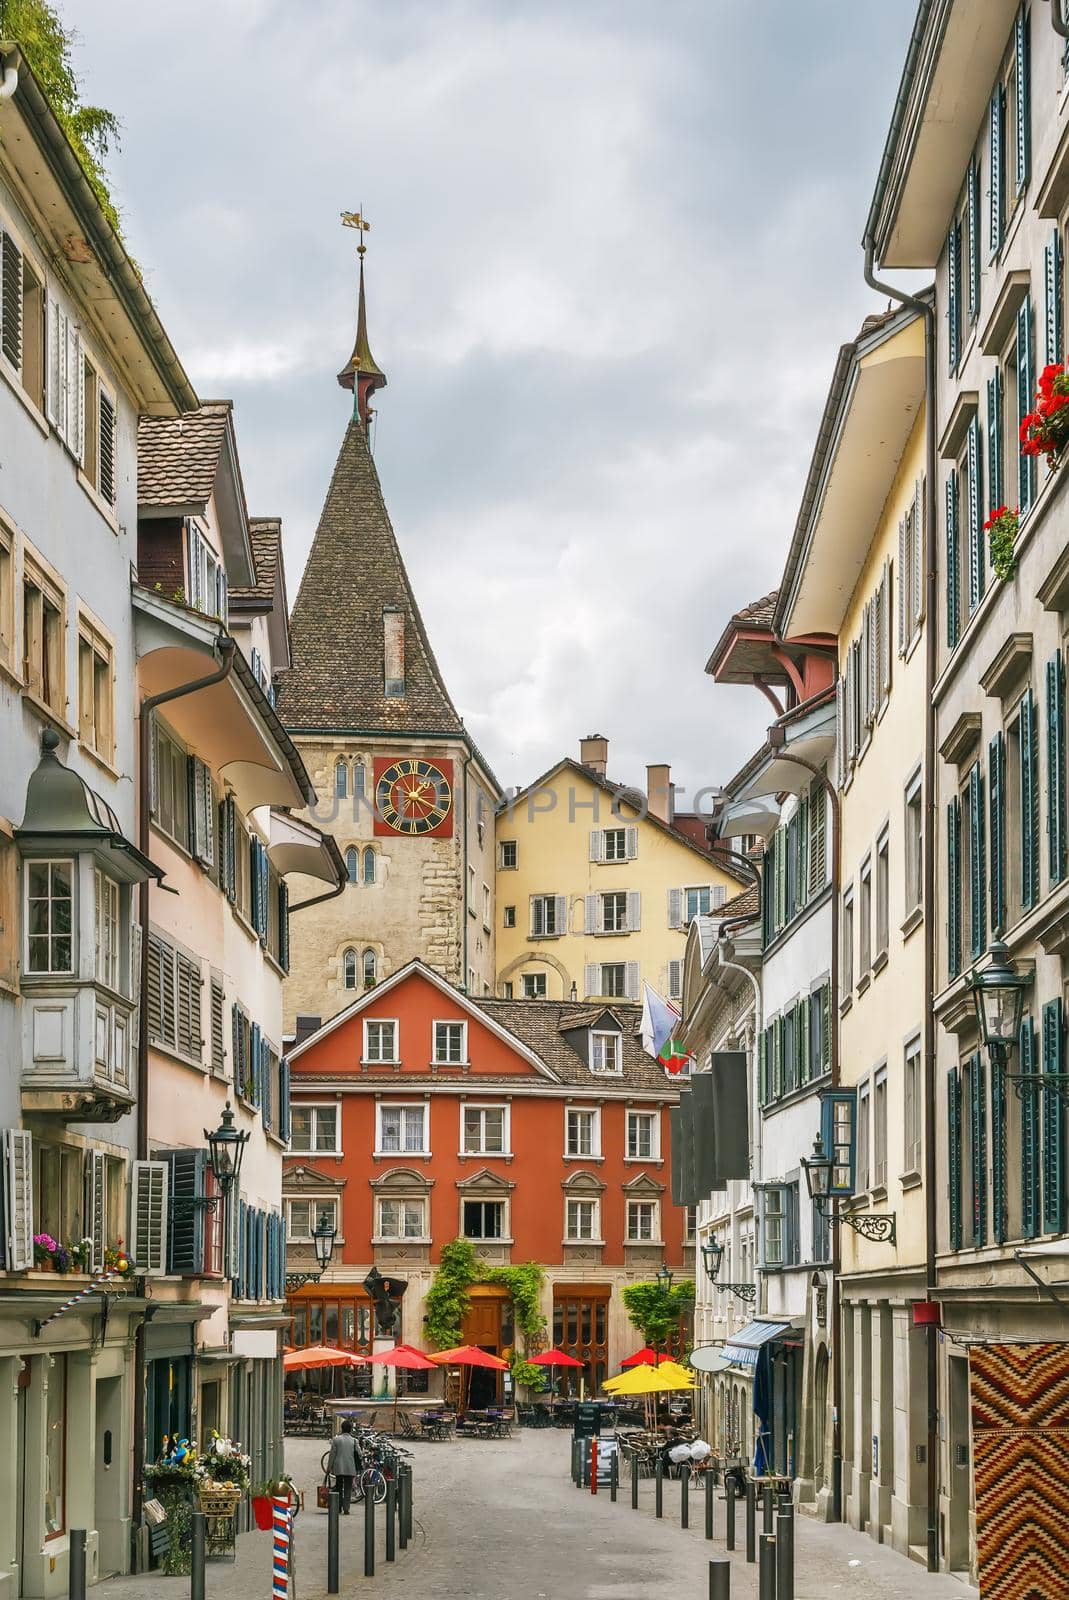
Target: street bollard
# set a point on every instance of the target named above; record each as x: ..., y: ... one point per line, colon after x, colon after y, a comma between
x: 658, y: 1489
x: 684, y: 1497
x: 584, y: 1466
x: 76, y: 1565
x: 634, y: 1482
x: 767, y: 1509
x: 614, y: 1475
x: 409, y: 1482
x: 594, y: 1465
x: 785, y: 1553
x: 709, y: 1486
x: 369, y: 1533
x: 391, y: 1519
x: 198, y: 1542
x: 751, y: 1520
x: 333, y: 1523
x: 729, y: 1538
x: 720, y: 1579
x: 404, y: 1507
x: 766, y: 1572
x: 573, y: 1460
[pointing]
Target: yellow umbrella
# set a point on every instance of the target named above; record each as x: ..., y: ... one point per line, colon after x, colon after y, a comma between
x: 647, y: 1380
x: 675, y: 1370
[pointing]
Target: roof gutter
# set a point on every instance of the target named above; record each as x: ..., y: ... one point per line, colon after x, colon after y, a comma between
x: 10, y: 80
x: 1058, y: 20
x: 898, y: 117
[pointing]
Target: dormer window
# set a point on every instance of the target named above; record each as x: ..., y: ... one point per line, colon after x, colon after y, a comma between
x: 605, y: 1052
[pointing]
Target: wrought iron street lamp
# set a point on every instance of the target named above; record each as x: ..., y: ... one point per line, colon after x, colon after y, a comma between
x: 998, y: 995
x: 664, y: 1279
x: 879, y: 1227
x: 226, y: 1147
x: 712, y: 1259
x: 323, y: 1236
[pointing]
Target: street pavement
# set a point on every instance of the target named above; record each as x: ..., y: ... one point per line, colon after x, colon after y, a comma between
x: 501, y: 1520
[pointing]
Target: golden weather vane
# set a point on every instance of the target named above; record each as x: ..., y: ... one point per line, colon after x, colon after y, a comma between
x: 354, y: 219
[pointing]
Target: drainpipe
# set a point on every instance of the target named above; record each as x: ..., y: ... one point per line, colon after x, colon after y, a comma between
x: 777, y: 739
x: 318, y: 899
x: 1058, y: 19
x: 927, y: 311
x: 227, y: 649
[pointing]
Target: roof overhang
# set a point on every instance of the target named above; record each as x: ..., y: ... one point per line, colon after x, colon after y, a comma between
x: 36, y: 157
x: 759, y: 814
x: 297, y: 846
x: 877, y: 410
x: 230, y: 725
x: 953, y: 55
x: 808, y: 732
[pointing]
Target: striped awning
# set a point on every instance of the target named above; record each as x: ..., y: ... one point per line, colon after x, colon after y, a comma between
x: 744, y: 1347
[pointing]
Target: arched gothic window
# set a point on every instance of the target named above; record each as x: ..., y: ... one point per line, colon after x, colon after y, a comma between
x: 349, y: 968
x: 359, y: 777
x: 341, y: 780
x: 352, y: 864
x: 369, y: 865
x: 370, y: 969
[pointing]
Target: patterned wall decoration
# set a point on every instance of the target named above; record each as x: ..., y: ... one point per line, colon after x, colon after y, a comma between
x: 1020, y: 1423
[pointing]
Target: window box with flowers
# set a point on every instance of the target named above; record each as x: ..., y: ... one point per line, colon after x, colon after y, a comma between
x: 1001, y: 528
x: 1045, y: 430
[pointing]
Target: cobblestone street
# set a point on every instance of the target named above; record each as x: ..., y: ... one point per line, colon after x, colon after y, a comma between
x: 502, y: 1521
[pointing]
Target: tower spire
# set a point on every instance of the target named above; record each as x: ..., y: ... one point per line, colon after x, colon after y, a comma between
x: 361, y: 372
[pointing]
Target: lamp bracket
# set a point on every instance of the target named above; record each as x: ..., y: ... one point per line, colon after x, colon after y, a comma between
x: 1032, y: 1083
x: 743, y: 1291
x: 880, y: 1227
x: 297, y: 1280
x: 184, y: 1204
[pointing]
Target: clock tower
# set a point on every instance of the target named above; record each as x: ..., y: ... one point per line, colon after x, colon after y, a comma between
x: 400, y: 785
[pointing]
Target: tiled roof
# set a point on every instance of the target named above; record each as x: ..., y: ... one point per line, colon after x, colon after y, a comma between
x: 354, y: 571
x: 746, y: 904
x: 541, y: 1026
x: 759, y: 613
x: 266, y: 536
x: 178, y: 457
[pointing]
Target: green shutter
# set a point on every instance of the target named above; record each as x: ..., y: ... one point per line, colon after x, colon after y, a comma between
x: 997, y: 120
x: 973, y: 265
x: 1029, y: 802
x: 1029, y: 1136
x: 1024, y: 99
x: 825, y: 1028
x: 998, y: 1152
x: 1056, y: 807
x: 1052, y: 288
x: 954, y: 887
x: 994, y: 440
x: 953, y: 605
x: 977, y: 865
x: 978, y: 1117
x: 953, y: 295
x: 976, y: 516
x: 777, y: 1058
x: 1054, y: 1198
x: 1026, y: 385
x: 762, y: 1067
x: 804, y: 1068
x: 284, y: 925
x: 996, y: 786
x: 954, y: 1154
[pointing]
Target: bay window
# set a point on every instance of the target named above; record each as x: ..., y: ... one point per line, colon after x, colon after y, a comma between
x: 108, y: 922
x: 50, y: 916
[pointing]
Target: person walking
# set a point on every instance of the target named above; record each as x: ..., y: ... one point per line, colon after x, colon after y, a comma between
x: 342, y: 1464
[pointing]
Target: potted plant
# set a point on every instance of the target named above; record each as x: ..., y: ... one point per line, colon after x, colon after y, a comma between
x: 117, y: 1259
x: 271, y: 1489
x: 1001, y: 528
x: 1045, y: 430
x: 45, y: 1250
x: 222, y: 1472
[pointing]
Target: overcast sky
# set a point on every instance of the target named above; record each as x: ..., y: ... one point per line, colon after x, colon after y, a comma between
x: 614, y: 249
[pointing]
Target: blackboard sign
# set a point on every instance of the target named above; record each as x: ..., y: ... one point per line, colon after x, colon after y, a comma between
x: 587, y: 1420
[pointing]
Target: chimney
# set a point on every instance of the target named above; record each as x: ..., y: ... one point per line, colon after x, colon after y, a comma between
x: 594, y: 753
x: 305, y: 1027
x: 659, y: 793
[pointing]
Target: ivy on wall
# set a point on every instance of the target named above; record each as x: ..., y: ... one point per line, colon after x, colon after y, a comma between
x: 449, y: 1297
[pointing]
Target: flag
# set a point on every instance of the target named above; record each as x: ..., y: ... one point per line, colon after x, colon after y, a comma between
x: 659, y: 1018
x: 672, y: 1056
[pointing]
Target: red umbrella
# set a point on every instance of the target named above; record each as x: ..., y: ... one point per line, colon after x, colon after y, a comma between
x: 406, y: 1358
x: 320, y: 1355
x: 646, y: 1357
x: 552, y: 1359
x: 469, y: 1355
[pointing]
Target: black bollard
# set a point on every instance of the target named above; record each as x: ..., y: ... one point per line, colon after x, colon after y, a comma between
x: 76, y: 1565
x: 409, y: 1485
x: 767, y: 1509
x: 614, y: 1475
x: 751, y: 1520
x: 369, y: 1533
x: 391, y: 1519
x: 634, y: 1482
x: 729, y: 1537
x: 709, y: 1486
x: 198, y: 1544
x: 720, y: 1579
x: 684, y: 1497
x: 333, y: 1522
x: 658, y: 1488
x: 584, y: 1465
x: 766, y: 1571
x: 785, y: 1553
x: 403, y: 1509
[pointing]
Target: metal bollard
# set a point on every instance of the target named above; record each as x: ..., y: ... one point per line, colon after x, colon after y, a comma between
x: 729, y: 1537
x: 614, y: 1475
x: 767, y: 1509
x: 658, y: 1489
x: 404, y: 1508
x: 594, y: 1465
x: 76, y: 1565
x: 333, y: 1524
x: 584, y: 1465
x: 751, y: 1520
x: 785, y: 1553
x: 391, y: 1519
x: 409, y: 1483
x: 634, y: 1483
x: 684, y: 1497
x: 709, y: 1487
x: 198, y: 1545
x: 720, y: 1579
x: 369, y: 1533
x: 766, y: 1572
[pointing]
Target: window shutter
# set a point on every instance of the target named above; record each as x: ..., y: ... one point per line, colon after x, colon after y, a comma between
x: 228, y: 845
x: 106, y: 478
x: 1024, y: 101
x: 202, y: 811
x: 252, y: 1076
x: 265, y: 1083
x: 954, y: 1154
x: 996, y: 789
x: 885, y: 630
x: 634, y: 911
x: 953, y: 287
x: 978, y: 1117
x: 976, y: 518
x: 560, y: 912
x: 189, y: 1041
x: 902, y: 591
x: 592, y: 978
x: 802, y: 1047
x: 96, y: 1166
x: 675, y: 980
x: 1056, y: 798
x: 1026, y: 383
x: 1052, y: 287
x: 590, y: 913
x: 920, y: 545
x: 135, y: 982
x: 998, y: 1152
x: 56, y: 333
x: 18, y: 1199
x: 74, y: 389
x: 242, y: 1252
x: 1029, y: 802
x: 632, y: 843
x: 994, y: 440
x: 597, y: 844
x: 977, y: 865
x: 1029, y: 1136
x: 996, y: 121
x: 973, y: 208
x: 217, y: 1047
x: 284, y: 925
x: 185, y: 1232
x: 953, y: 606
x: 1054, y: 1195
x: 631, y: 980
x: 840, y: 730
x: 849, y: 719
x: 148, y: 1217
x: 11, y: 300
x: 285, y: 1120
x: 154, y: 767
x: 954, y: 887
x: 675, y: 908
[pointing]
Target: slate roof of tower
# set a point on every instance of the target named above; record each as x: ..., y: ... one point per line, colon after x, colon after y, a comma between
x: 354, y: 571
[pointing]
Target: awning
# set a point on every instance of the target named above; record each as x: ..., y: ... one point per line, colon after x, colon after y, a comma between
x: 744, y: 1347
x: 758, y: 815
x: 298, y: 847
x: 810, y: 734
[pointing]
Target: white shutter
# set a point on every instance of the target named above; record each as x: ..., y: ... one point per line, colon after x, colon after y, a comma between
x: 632, y: 843
x: 148, y: 1217
x: 560, y: 913
x: 537, y: 917
x: 590, y: 913
x: 631, y: 980
x: 634, y: 910
x: 592, y: 978
x: 720, y: 894
x: 675, y: 980
x: 919, y: 540
x: 18, y: 1190
x: 885, y: 631
x: 903, y: 591
x: 74, y: 388
x: 96, y: 1166
x: 675, y: 908
x: 597, y: 844
x: 203, y: 814
x: 840, y: 731
x: 55, y: 404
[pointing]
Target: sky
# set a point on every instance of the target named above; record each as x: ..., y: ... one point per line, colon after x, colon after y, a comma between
x: 615, y: 247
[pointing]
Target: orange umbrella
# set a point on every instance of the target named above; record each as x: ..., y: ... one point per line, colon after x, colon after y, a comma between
x: 320, y: 1355
x: 469, y: 1355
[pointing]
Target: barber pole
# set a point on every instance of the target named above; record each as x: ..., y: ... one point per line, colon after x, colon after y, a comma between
x: 98, y: 1283
x: 281, y: 1518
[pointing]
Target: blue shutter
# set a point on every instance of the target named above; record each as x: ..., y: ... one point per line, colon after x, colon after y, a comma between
x: 1056, y: 806
x: 1029, y: 801
x: 1026, y: 385
x: 284, y: 925
x: 954, y: 887
x: 953, y: 295
x: 978, y: 1114
x: 997, y: 122
x: 285, y: 1123
x: 185, y: 1225
x: 953, y: 603
x: 243, y: 1252
x: 996, y: 786
x: 265, y: 1083
x: 994, y: 440
x: 1052, y: 288
x: 976, y: 516
x: 954, y: 1154
x: 977, y: 865
x: 1024, y: 100
x: 998, y: 1152
x: 1029, y: 1136
x: 1054, y: 1197
x: 973, y: 206
x: 265, y: 891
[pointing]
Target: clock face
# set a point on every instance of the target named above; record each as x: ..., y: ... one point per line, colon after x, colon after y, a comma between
x: 413, y: 796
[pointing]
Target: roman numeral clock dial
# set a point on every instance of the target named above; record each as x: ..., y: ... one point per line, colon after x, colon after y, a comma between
x: 413, y: 797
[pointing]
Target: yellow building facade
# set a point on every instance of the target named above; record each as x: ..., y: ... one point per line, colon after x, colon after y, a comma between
x: 596, y: 886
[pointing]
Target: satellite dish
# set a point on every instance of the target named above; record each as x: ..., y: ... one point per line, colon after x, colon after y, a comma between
x: 709, y: 1358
